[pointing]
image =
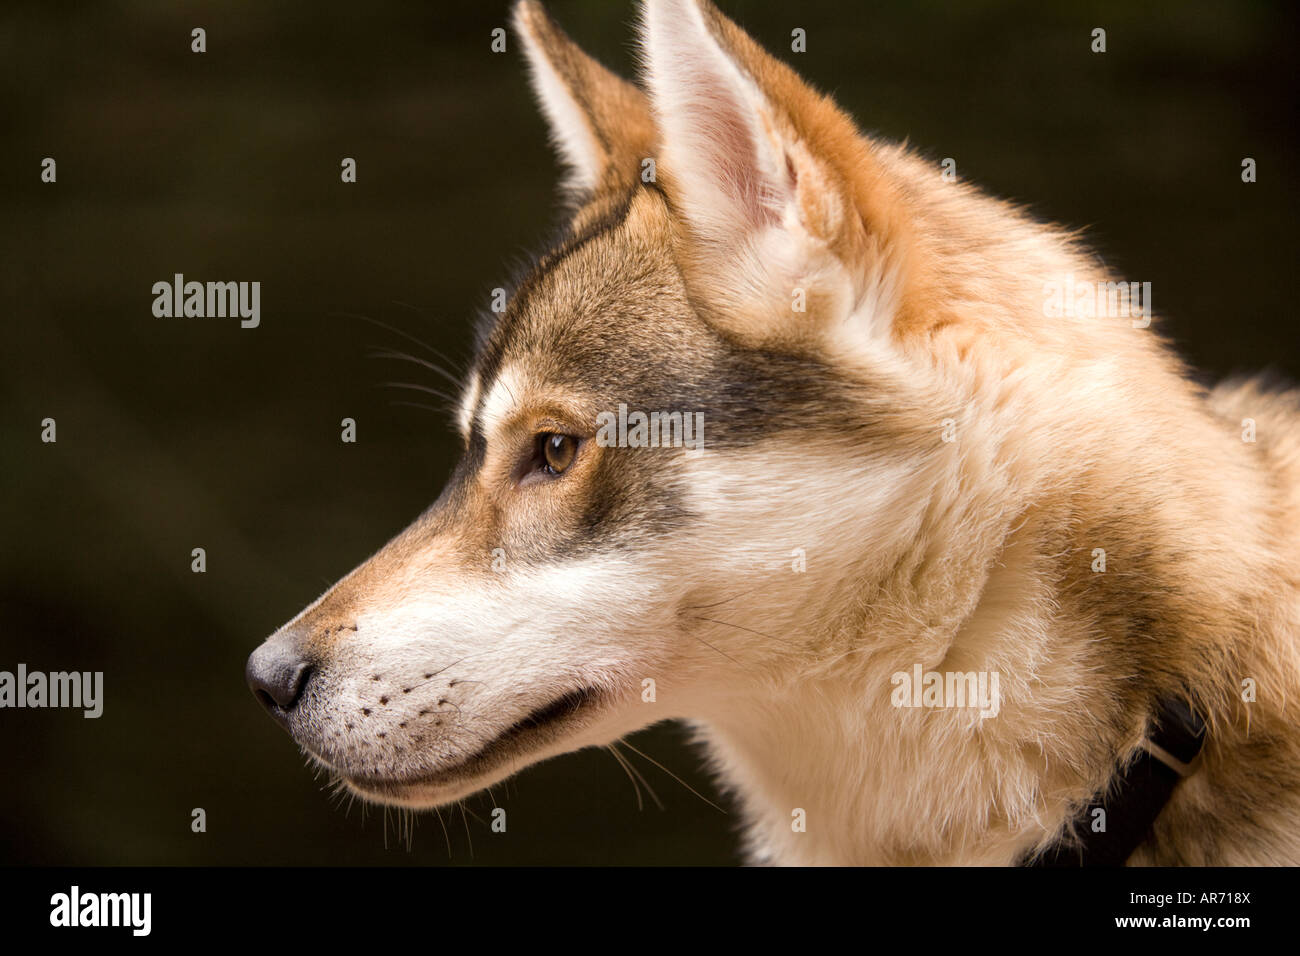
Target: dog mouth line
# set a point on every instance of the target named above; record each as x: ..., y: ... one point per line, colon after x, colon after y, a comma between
x: 538, y: 727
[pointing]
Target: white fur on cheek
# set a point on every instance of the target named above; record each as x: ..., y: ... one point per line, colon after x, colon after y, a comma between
x: 760, y: 507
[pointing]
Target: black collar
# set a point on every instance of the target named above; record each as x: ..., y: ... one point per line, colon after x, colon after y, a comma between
x: 1135, y: 798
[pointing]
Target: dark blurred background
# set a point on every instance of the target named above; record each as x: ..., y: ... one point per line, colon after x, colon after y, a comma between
x: 183, y: 433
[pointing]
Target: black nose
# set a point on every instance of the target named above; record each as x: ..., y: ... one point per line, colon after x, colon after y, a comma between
x: 276, y: 674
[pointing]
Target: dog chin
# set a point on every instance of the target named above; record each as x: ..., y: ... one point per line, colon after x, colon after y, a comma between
x: 417, y: 795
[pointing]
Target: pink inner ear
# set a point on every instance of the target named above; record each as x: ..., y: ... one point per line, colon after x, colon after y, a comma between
x: 719, y: 129
x: 712, y: 124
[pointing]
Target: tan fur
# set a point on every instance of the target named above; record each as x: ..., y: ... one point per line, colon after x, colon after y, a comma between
x: 925, y: 305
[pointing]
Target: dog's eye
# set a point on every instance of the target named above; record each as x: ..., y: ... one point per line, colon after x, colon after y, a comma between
x: 558, y: 452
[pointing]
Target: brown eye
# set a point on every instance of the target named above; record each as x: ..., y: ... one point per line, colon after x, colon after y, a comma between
x: 558, y: 452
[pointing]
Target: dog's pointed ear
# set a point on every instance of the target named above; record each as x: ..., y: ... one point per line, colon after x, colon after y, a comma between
x: 600, y: 123
x: 777, y: 188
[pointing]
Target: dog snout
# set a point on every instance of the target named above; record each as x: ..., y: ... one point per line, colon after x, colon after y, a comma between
x: 277, y: 674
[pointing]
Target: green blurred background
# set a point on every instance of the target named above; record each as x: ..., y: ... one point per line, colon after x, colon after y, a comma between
x: 183, y: 433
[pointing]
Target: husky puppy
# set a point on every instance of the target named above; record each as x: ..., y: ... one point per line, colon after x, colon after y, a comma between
x: 949, y: 543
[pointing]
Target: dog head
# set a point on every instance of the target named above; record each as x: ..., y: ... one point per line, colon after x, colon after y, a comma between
x: 699, y: 393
